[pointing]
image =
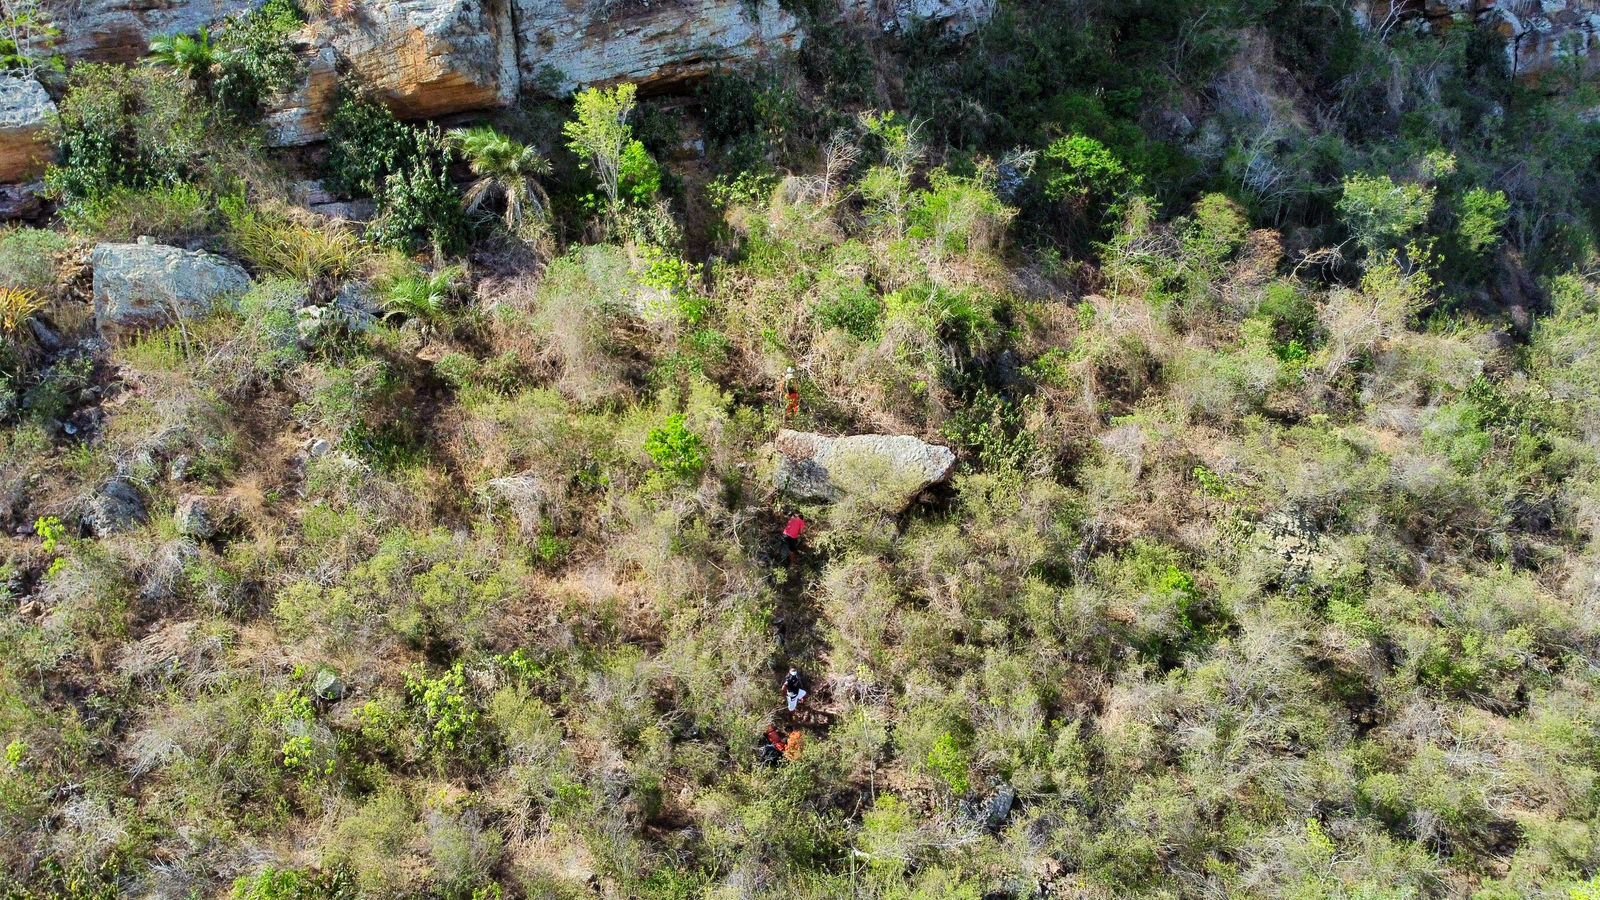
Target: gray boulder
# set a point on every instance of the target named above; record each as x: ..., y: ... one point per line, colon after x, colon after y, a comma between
x: 147, y: 285
x: 887, y: 470
x: 197, y: 517
x: 116, y: 506
x: 327, y: 685
x: 25, y: 111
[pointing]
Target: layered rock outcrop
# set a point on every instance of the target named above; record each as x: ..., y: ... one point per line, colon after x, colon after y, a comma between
x: 644, y: 42
x: 25, y: 111
x: 142, y: 286
x: 432, y: 58
x: 888, y: 470
x: 1541, y: 35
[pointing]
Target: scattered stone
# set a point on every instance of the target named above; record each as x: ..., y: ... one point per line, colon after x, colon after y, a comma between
x: 891, y: 469
x: 49, y: 340
x: 22, y: 202
x: 196, y: 517
x: 1000, y: 807
x: 147, y: 285
x: 317, y: 448
x: 115, y: 507
x: 327, y: 686
x: 357, y: 307
x: 25, y: 113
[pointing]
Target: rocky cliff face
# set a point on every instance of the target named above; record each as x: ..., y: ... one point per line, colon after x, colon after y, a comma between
x: 589, y: 41
x: 121, y: 30
x: 430, y: 58
x: 25, y: 111
x: 1541, y: 35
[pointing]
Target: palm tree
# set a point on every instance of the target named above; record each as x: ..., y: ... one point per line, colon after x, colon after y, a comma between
x: 191, y: 55
x: 507, y: 168
x: 422, y: 297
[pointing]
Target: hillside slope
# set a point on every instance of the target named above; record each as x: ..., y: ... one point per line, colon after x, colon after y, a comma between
x: 1193, y: 409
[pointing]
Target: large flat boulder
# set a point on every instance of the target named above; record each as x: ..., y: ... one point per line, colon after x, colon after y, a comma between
x: 25, y: 111
x: 145, y: 285
x: 888, y: 470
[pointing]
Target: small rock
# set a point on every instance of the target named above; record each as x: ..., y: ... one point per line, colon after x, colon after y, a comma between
x: 318, y: 448
x: 1000, y: 807
x: 115, y: 507
x: 24, y: 202
x: 327, y: 686
x: 196, y: 517
x: 47, y: 337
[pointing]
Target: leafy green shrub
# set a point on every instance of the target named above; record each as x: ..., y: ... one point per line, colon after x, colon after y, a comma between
x: 950, y: 762
x: 284, y: 884
x: 959, y: 215
x: 137, y: 129
x: 420, y: 205
x: 674, y: 282
x: 257, y: 59
x: 453, y: 725
x: 366, y: 145
x: 1080, y: 171
x: 675, y: 449
x: 1481, y: 215
x: 1381, y: 214
x: 854, y: 309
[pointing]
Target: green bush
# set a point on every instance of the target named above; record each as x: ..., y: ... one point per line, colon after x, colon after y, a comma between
x: 366, y: 145
x: 1381, y: 214
x: 1481, y: 216
x: 121, y: 128
x: 854, y: 309
x: 420, y: 206
x: 257, y: 59
x: 675, y: 449
x: 1080, y: 171
x: 164, y: 213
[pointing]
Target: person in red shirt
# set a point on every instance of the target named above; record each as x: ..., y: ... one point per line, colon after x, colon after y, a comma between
x: 791, y: 536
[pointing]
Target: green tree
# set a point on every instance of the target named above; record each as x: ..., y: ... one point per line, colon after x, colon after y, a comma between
x: 505, y: 168
x: 1381, y: 214
x: 600, y: 134
x: 1079, y: 169
x: 1481, y: 215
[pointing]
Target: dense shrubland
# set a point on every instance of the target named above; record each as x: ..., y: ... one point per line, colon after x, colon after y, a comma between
x: 1270, y: 567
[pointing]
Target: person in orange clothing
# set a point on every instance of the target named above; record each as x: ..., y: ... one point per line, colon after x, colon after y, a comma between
x: 791, y: 536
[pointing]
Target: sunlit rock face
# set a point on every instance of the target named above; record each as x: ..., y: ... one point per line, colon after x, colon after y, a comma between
x: 1542, y: 36
x: 432, y: 58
